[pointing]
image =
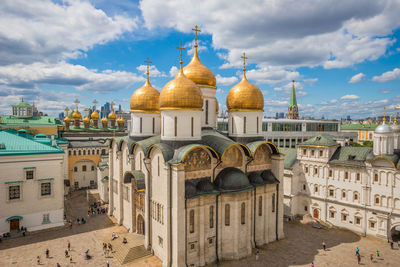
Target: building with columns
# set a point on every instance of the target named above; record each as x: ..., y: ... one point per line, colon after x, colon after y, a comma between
x: 357, y: 188
x: 197, y: 196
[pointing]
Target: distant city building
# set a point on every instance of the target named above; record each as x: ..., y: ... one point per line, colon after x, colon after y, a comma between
x: 348, y: 118
x: 280, y: 115
x: 364, y: 131
x: 293, y: 110
x: 61, y: 116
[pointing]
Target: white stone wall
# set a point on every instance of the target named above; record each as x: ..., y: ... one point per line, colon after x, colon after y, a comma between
x: 238, y: 127
x: 147, y: 128
x: 209, y: 95
x: 183, y: 128
x: 82, y: 177
x: 31, y: 205
x: 383, y: 143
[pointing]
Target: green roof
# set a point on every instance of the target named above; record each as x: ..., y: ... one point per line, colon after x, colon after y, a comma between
x: 34, y: 121
x: 350, y: 156
x: 139, y: 178
x: 22, y: 104
x: 293, y: 101
x: 290, y: 157
x: 358, y: 126
x: 15, y: 145
x: 320, y: 140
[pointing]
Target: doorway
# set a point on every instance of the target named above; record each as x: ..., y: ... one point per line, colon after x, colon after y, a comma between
x: 140, y: 225
x: 14, y: 225
x: 316, y: 213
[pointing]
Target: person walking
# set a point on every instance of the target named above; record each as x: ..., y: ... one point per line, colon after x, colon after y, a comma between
x: 58, y: 265
x: 110, y: 247
x: 66, y: 253
x: 357, y: 251
x: 108, y: 264
x: 69, y: 246
x: 324, y: 245
x: 70, y: 258
x: 38, y: 260
x: 391, y: 244
x: 47, y: 253
x: 358, y: 258
x: 312, y: 264
x: 378, y: 254
x: 371, y: 256
x: 257, y: 255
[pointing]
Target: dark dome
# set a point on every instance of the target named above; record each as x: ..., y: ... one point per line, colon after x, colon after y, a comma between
x: 128, y: 178
x: 256, y: 179
x: 205, y: 186
x: 232, y: 179
x: 190, y: 189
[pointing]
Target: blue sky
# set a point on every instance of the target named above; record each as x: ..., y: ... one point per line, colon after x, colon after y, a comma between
x: 344, y: 55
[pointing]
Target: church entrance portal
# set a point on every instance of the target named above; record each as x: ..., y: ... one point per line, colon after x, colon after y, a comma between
x: 140, y: 225
x: 14, y: 225
x: 395, y: 233
x: 316, y: 213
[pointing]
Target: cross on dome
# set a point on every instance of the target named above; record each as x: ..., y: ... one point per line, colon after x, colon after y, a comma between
x: 181, y: 48
x: 196, y: 29
x: 244, y: 63
x: 148, y: 69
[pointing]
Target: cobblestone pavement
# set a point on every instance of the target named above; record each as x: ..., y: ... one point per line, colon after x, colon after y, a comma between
x: 303, y: 245
x: 24, y: 250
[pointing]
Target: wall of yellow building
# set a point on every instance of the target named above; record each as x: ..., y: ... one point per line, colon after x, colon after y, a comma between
x: 73, y: 159
x: 47, y: 130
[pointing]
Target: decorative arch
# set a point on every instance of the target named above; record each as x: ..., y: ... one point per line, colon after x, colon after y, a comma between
x: 384, y: 158
x: 274, y: 149
x: 140, y: 225
x: 246, y: 150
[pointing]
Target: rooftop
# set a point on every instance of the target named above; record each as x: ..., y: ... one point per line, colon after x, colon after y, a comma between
x: 38, y: 120
x: 358, y: 126
x: 320, y: 140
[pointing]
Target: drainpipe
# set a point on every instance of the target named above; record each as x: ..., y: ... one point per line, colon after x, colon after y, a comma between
x: 277, y: 211
x: 170, y: 216
x: 216, y: 229
x: 254, y: 209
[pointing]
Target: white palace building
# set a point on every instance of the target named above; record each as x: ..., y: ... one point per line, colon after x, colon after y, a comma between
x: 197, y: 196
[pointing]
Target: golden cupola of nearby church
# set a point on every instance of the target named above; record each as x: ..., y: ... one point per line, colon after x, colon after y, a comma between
x: 95, y: 115
x: 146, y: 99
x: 197, y: 72
x: 104, y: 120
x: 245, y: 96
x: 67, y: 119
x: 120, y: 120
x: 76, y: 115
x: 181, y: 93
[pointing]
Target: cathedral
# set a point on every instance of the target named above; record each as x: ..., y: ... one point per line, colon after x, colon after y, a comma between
x: 197, y: 195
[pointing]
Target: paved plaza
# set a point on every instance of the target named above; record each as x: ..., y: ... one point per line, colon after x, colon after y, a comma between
x: 302, y: 245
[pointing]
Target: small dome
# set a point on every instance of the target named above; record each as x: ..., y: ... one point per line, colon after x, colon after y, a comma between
x: 76, y: 115
x: 104, y: 120
x: 86, y: 120
x: 95, y: 115
x: 112, y: 116
x: 67, y: 120
x: 120, y: 120
x: 232, y: 179
x: 198, y: 73
x: 396, y: 128
x: 181, y: 93
x: 146, y: 99
x: 245, y: 96
x: 383, y: 128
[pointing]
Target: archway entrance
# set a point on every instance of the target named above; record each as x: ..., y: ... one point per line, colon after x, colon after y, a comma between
x: 140, y: 225
x: 316, y: 213
x: 14, y: 225
x: 395, y: 233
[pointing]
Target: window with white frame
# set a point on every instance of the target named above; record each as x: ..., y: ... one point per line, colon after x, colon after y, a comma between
x: 377, y: 200
x: 358, y: 177
x: 357, y: 220
x: 372, y: 224
x: 14, y: 192
x: 331, y: 214
x: 344, y: 217
x: 45, y: 189
x: 46, y: 218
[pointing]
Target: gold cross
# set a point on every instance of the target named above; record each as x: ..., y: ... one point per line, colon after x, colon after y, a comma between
x: 66, y: 110
x: 148, y: 62
x: 196, y: 29
x: 244, y: 61
x: 181, y: 48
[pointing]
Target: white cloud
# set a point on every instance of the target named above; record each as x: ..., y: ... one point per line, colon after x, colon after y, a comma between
x: 173, y: 71
x: 333, y: 101
x: 349, y: 97
x: 271, y: 75
x: 357, y: 78
x: 224, y: 81
x: 202, y: 46
x: 285, y: 33
x: 154, y: 72
x: 62, y: 73
x: 386, y: 91
x: 388, y: 76
x: 46, y: 31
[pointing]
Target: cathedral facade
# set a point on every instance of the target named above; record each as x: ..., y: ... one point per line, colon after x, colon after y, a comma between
x: 197, y: 195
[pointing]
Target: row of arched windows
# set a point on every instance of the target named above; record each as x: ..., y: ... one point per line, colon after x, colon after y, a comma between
x: 84, y: 168
x: 88, y: 152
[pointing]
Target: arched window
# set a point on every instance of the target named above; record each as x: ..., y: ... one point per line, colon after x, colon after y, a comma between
x: 92, y: 167
x: 69, y: 153
x: 88, y: 152
x: 191, y: 221
x: 141, y: 124
x: 355, y: 196
x: 98, y: 151
x: 244, y: 124
x: 84, y: 152
x: 273, y: 202
x: 233, y: 126
x: 243, y: 213
x: 191, y: 126
x: 84, y: 168
x: 103, y: 151
x: 79, y: 152
x: 377, y: 200
x: 376, y: 178
x: 93, y: 152
x: 260, y: 206
x: 158, y: 165
x: 227, y: 214
x: 154, y: 125
x: 176, y: 126
x: 206, y: 112
x: 211, y: 216
x: 75, y: 169
x: 343, y: 194
x: 258, y: 126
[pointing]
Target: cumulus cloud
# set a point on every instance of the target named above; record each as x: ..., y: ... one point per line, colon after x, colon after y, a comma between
x: 285, y: 33
x: 287, y: 89
x: 224, y: 81
x: 357, y: 78
x: 349, y: 97
x: 46, y: 31
x: 154, y: 72
x: 388, y: 76
x: 202, y: 46
x: 271, y: 75
x: 173, y: 71
x: 386, y: 91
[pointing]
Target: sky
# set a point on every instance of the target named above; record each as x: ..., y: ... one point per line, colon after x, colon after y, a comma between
x: 344, y: 55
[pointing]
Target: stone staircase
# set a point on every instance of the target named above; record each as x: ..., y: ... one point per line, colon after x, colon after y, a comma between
x: 125, y: 254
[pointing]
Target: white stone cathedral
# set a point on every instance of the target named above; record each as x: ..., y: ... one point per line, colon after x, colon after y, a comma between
x: 197, y: 195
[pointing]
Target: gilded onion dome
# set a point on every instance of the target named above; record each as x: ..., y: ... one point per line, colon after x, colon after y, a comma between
x: 245, y: 96
x: 112, y: 116
x: 67, y: 119
x: 198, y: 73
x: 120, y: 120
x: 86, y: 119
x: 76, y: 115
x: 146, y: 99
x: 95, y: 115
x: 181, y: 93
x: 104, y: 120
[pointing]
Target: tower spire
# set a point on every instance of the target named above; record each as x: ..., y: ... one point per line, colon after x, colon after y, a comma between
x: 384, y: 115
x: 293, y: 101
x: 181, y: 61
x: 148, y: 72
x: 244, y: 64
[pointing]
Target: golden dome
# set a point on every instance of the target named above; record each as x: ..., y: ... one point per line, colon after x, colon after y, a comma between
x: 104, y: 120
x: 181, y: 93
x: 120, y: 120
x: 146, y: 99
x: 216, y: 107
x: 95, y: 115
x: 245, y: 96
x: 86, y: 120
x: 76, y: 115
x: 112, y: 116
x: 198, y: 73
x: 67, y: 120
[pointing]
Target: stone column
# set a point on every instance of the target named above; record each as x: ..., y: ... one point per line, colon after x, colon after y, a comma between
x: 277, y: 170
x: 110, y: 182
x: 147, y: 204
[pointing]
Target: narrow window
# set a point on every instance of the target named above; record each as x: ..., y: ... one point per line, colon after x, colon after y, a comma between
x: 163, y: 126
x: 244, y: 125
x: 84, y: 168
x: 316, y: 189
x: 346, y: 175
x: 304, y: 152
x: 176, y: 126
x: 191, y: 226
x: 258, y: 126
x: 227, y: 215
x: 141, y: 125
x: 273, y: 202
x: 377, y: 200
x: 343, y: 194
x: 206, y: 112
x: 79, y: 152
x: 93, y: 152
x: 158, y: 166
x: 312, y: 153
x: 233, y: 127
x: 154, y: 125
x: 69, y: 153
x: 192, y: 122
x: 29, y: 174
x: 92, y: 167
x: 331, y: 192
x: 376, y: 178
x: 330, y: 173
x: 84, y: 152
x: 260, y: 206
x: 243, y: 213
x: 88, y: 152
x: 211, y: 216
x: 320, y: 153
x: 45, y: 189
x: 75, y: 169
x: 358, y: 177
x: 14, y: 192
x: 355, y: 196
